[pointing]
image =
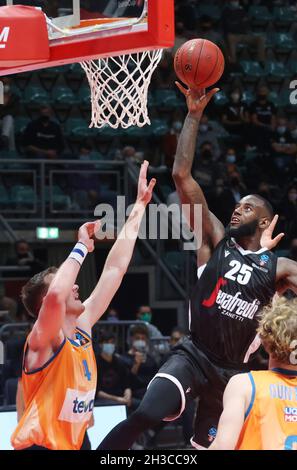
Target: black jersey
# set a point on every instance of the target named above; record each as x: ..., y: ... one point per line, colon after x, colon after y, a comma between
x: 234, y: 286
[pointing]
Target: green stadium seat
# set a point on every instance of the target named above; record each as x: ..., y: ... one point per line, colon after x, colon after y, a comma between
x: 293, y: 66
x: 59, y: 199
x: 220, y: 99
x: 260, y: 15
x: 283, y: 42
x: 136, y: 132
x: 167, y: 99
x: 48, y: 77
x: 274, y: 98
x: 174, y: 261
x: 252, y: 70
x: 63, y: 101
x: 23, y: 196
x: 276, y: 71
x: 4, y: 197
x: 158, y: 128
x: 248, y: 97
x: 36, y: 95
x: 284, y: 16
x: 20, y: 124
x: 213, y: 11
x: 77, y: 129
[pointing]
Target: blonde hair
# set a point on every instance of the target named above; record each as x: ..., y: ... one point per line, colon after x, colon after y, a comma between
x: 278, y: 328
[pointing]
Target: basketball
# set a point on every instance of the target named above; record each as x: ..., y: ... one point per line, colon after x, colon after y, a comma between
x: 199, y: 63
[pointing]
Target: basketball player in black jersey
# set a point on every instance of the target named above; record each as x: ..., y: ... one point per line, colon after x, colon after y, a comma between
x: 238, y: 276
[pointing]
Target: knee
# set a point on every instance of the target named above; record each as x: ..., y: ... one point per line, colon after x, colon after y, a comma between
x: 144, y: 418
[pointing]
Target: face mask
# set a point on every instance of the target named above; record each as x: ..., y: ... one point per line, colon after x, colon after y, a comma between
x: 139, y: 345
x: 292, y: 197
x: 44, y: 119
x: 281, y: 129
x: 84, y: 157
x: 108, y: 348
x: 206, y: 155
x: 231, y: 158
x: 146, y: 316
x: 294, y: 134
x: 177, y: 126
x: 235, y: 97
x: 204, y: 128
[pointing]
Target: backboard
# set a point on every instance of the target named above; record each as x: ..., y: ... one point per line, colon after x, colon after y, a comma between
x: 87, y: 29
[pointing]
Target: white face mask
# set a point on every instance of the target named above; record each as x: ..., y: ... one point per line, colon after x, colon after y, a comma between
x: 281, y: 129
x: 231, y: 158
x: 108, y: 348
x: 140, y: 345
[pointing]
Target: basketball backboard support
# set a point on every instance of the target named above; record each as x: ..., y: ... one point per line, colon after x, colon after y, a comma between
x: 91, y: 29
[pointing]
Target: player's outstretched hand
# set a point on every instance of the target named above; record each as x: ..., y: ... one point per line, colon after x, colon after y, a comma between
x: 266, y: 240
x: 196, y: 100
x: 145, y: 191
x: 86, y: 232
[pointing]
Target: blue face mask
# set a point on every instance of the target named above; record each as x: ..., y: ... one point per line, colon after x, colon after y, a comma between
x: 231, y: 158
x: 108, y: 348
x: 140, y: 345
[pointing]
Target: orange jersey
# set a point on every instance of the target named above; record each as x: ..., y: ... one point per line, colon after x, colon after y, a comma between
x: 59, y: 398
x: 271, y: 419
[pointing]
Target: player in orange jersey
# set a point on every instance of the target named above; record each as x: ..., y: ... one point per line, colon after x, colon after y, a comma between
x: 59, y: 367
x: 260, y: 408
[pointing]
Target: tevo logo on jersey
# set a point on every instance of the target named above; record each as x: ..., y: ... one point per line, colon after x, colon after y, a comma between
x: 4, y: 37
x: 77, y: 406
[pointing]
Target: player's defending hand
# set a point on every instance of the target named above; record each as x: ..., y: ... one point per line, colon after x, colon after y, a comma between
x: 196, y: 100
x: 86, y: 232
x: 145, y: 191
x: 266, y: 240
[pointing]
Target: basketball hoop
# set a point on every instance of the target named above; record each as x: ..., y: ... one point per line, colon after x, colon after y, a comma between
x: 119, y: 84
x: 119, y: 88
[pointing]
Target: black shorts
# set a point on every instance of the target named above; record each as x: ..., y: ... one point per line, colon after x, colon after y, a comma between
x: 196, y: 375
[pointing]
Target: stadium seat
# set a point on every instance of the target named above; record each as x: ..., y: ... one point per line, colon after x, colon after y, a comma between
x: 220, y: 99
x: 276, y: 71
x: 167, y: 99
x: 4, y: 197
x: 63, y: 102
x: 77, y: 129
x: 36, y: 95
x: 213, y: 11
x: 75, y: 76
x: 260, y: 15
x: 55, y: 195
x: 175, y: 261
x: 20, y: 124
x: 283, y: 42
x: 248, y: 97
x: 284, y: 16
x: 23, y: 196
x: 252, y: 70
x: 49, y: 77
x: 84, y: 100
x: 158, y: 128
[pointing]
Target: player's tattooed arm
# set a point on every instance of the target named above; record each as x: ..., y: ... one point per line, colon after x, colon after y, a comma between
x: 189, y: 191
x: 286, y: 275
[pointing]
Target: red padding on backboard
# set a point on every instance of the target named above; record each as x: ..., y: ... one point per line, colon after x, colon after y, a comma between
x: 23, y: 36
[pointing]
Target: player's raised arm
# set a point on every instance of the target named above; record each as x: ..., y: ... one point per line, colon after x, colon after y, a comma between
x: 53, y: 306
x: 187, y: 188
x: 119, y: 256
x: 236, y: 400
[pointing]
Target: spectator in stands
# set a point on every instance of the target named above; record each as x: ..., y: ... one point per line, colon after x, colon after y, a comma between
x: 221, y: 201
x: 207, y: 30
x: 113, y: 380
x: 293, y: 249
x: 87, y: 185
x: 141, y: 364
x: 234, y: 114
x: 24, y: 257
x: 8, y: 111
x: 283, y: 146
x: 145, y: 314
x: 288, y: 212
x: 43, y: 137
x: 207, y: 134
x: 207, y: 170
x: 262, y: 114
x: 176, y: 335
x: 112, y: 315
x: 164, y: 76
x: 236, y: 26
x: 8, y: 307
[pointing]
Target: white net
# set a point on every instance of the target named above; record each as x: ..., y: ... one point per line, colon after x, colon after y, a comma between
x: 119, y: 88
